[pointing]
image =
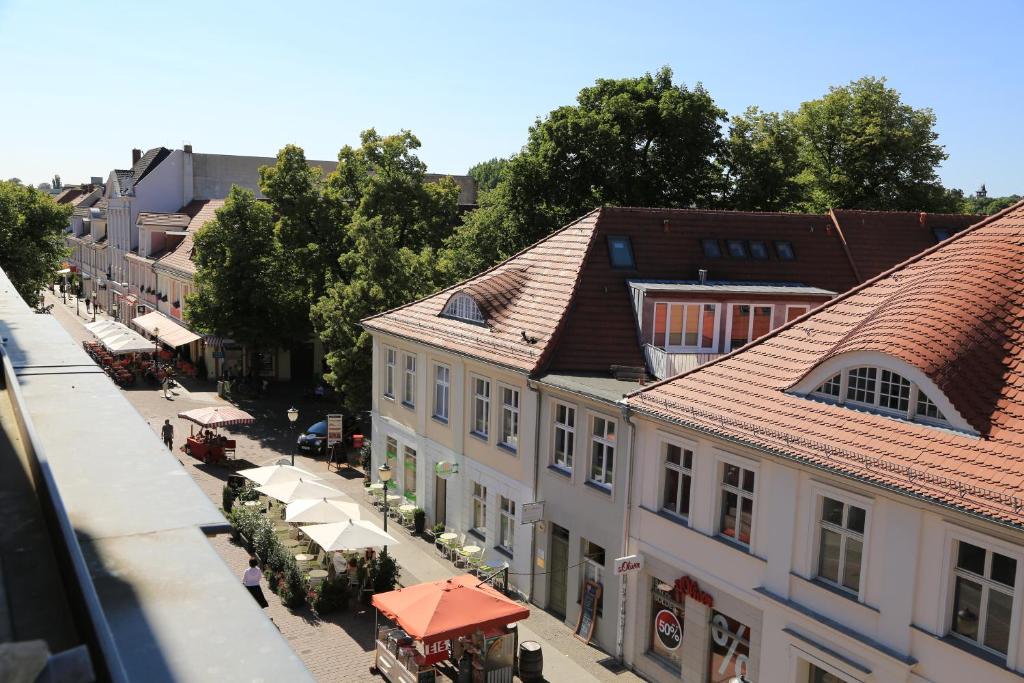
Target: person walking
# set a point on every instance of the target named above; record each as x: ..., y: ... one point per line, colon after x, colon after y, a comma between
x: 167, y: 432
x: 167, y: 387
x: 251, y: 580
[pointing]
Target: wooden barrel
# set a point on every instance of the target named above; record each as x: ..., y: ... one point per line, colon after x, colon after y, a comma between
x: 531, y: 661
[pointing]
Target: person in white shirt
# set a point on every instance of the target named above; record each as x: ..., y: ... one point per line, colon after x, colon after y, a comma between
x: 251, y: 580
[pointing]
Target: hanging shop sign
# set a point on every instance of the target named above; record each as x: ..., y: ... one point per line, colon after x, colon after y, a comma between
x: 668, y: 629
x: 629, y: 564
x: 446, y: 468
x: 685, y: 587
x: 532, y: 512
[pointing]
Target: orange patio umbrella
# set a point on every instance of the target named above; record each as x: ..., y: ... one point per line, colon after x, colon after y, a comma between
x: 442, y: 610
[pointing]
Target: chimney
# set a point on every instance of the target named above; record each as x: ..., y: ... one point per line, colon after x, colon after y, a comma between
x: 136, y: 155
x: 702, y: 276
x: 188, y: 149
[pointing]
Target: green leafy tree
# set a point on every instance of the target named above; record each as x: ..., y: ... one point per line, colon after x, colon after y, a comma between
x: 862, y: 147
x: 987, y: 205
x: 244, y: 288
x: 634, y: 141
x: 31, y: 238
x: 487, y: 173
x: 763, y: 162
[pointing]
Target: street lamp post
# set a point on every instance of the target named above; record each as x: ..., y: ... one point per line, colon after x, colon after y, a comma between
x: 94, y: 306
x: 64, y: 289
x: 156, y: 350
x: 384, y: 472
x: 293, y: 415
x: 114, y: 310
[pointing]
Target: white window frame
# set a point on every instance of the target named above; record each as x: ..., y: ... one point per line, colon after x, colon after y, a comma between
x: 390, y: 366
x: 821, y: 491
x: 605, y: 444
x: 570, y: 431
x: 409, y: 381
x: 509, y: 411
x: 506, y: 523
x: 944, y: 626
x: 478, y: 400
x: 442, y: 388
x: 806, y: 308
x: 910, y: 414
x: 681, y: 305
x: 462, y: 306
x: 683, y: 471
x: 727, y: 330
x: 478, y: 494
x: 723, y: 458
x: 409, y: 453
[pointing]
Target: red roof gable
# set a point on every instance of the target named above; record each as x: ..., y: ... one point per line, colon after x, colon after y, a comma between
x: 954, y: 313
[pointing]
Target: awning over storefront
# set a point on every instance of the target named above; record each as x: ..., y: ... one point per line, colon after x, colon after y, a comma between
x: 166, y: 330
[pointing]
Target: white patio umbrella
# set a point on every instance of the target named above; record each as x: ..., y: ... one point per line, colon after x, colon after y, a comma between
x: 351, y: 535
x: 101, y: 327
x: 322, y: 511
x: 277, y: 474
x: 126, y: 342
x: 298, y: 489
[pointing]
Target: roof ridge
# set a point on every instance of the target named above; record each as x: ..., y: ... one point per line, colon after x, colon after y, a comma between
x: 462, y: 283
x: 842, y: 297
x: 732, y: 212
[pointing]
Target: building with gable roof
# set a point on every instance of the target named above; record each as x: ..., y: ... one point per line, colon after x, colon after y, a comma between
x: 841, y: 500
x: 506, y: 389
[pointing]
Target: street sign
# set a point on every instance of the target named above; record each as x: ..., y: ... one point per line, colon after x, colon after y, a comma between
x: 334, y: 429
x: 629, y: 564
x: 532, y: 512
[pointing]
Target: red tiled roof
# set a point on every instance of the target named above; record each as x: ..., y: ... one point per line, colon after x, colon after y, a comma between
x: 199, y: 212
x: 528, y: 293
x: 167, y: 220
x: 598, y: 322
x: 954, y: 313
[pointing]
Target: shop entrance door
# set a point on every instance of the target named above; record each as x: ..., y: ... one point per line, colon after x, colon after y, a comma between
x: 559, y: 575
x: 440, y: 500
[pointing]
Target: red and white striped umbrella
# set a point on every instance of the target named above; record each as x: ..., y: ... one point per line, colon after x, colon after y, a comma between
x: 220, y: 416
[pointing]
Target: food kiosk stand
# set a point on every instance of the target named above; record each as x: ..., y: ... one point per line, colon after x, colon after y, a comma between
x: 212, y: 449
x: 461, y: 622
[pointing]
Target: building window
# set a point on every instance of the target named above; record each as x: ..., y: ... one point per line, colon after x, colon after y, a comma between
x: 442, y: 376
x: 747, y: 323
x: 679, y: 327
x: 927, y: 409
x: 737, y: 248
x: 758, y: 249
x: 565, y: 436
x: 794, y: 312
x: 678, y: 464
x: 666, y: 624
x: 390, y: 360
x: 831, y: 387
x: 841, y: 543
x: 409, y: 382
x: 737, y: 515
x: 391, y: 453
x: 711, y: 248
x: 463, y: 307
x: 509, y: 418
x: 861, y: 385
x: 730, y: 650
x: 479, y: 509
x: 621, y: 252
x: 883, y: 389
x: 507, y: 527
x: 481, y: 406
x: 819, y: 675
x: 602, y: 453
x: 941, y: 234
x: 784, y: 250
x: 410, y: 474
x: 894, y: 392
x: 983, y: 596
x: 592, y: 566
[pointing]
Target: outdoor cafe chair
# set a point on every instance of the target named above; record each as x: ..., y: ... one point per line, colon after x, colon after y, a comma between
x: 466, y: 556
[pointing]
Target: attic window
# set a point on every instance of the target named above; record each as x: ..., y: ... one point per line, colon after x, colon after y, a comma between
x: 758, y: 250
x: 711, y: 248
x: 462, y: 307
x: 882, y: 390
x: 737, y: 249
x: 942, y: 234
x: 784, y: 250
x: 620, y: 251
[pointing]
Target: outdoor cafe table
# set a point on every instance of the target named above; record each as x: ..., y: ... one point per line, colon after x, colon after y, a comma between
x: 407, y: 507
x: 290, y: 543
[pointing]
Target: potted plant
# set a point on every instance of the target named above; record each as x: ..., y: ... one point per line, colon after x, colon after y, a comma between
x: 438, y: 530
x: 419, y: 520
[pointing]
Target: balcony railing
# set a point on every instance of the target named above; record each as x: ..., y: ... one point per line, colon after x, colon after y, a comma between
x: 664, y: 363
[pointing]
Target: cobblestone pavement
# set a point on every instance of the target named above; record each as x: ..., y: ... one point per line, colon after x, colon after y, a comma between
x: 337, y: 647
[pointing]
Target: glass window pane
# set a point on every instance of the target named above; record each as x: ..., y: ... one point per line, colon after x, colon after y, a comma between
x: 727, y: 524
x: 997, y: 620
x: 692, y: 323
x: 673, y: 454
x: 758, y: 249
x: 762, y: 321
x: 675, y: 325
x: 740, y: 326
x: 1004, y: 569
x: 828, y: 559
x: 660, y: 323
x: 855, y: 519
x: 688, y: 459
x: 851, y: 565
x: 832, y: 511
x: 966, y: 608
x: 748, y: 481
x: 971, y: 558
x: 684, y: 496
x: 746, y: 517
x: 671, y: 493
x: 731, y: 475
x: 707, y: 329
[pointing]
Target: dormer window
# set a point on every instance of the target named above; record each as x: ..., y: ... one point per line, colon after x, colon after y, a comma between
x: 621, y: 252
x: 880, y: 389
x: 462, y: 307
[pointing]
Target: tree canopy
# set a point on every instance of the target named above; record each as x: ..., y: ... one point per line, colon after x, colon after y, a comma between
x: 31, y: 238
x: 762, y: 161
x: 487, y: 173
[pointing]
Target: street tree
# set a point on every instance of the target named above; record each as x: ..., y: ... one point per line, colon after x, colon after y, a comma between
x: 762, y: 162
x: 244, y: 288
x: 31, y: 238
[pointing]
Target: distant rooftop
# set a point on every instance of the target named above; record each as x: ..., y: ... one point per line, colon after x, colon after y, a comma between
x: 729, y: 287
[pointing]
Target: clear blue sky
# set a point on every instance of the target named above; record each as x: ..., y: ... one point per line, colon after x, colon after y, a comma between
x: 84, y: 82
